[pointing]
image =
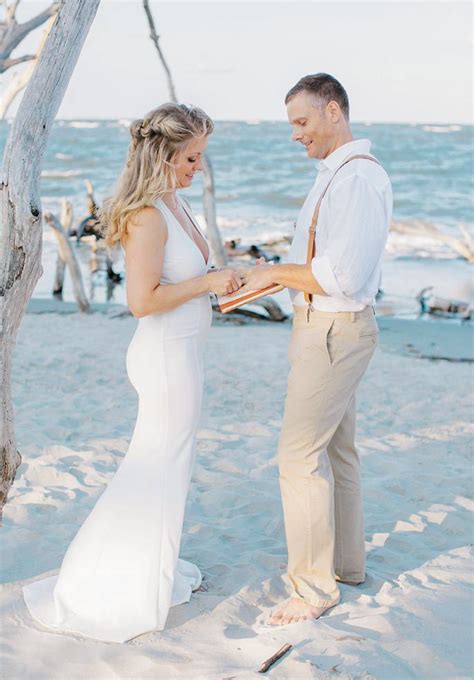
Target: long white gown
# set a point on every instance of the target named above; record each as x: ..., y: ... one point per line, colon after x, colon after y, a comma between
x: 121, y: 572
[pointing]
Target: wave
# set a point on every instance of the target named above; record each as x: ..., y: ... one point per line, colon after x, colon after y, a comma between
x: 59, y: 174
x: 63, y: 156
x: 82, y: 124
x: 442, y: 128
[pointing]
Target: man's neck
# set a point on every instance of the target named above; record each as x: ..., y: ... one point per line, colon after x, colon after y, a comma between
x: 344, y: 138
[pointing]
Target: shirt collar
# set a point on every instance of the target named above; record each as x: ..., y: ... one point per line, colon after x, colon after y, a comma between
x: 335, y: 158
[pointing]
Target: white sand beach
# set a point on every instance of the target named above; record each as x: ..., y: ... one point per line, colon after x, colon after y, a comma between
x: 75, y: 411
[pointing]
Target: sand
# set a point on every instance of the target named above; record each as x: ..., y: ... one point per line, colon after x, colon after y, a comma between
x: 74, y: 414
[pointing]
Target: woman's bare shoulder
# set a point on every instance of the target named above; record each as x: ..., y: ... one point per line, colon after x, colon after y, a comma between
x: 147, y: 223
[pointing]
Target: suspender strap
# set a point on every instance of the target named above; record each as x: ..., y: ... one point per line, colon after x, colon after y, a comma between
x: 311, y: 252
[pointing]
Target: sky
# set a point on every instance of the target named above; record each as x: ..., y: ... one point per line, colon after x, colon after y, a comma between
x: 399, y: 61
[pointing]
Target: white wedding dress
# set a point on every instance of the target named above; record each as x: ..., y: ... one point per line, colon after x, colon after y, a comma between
x: 121, y: 572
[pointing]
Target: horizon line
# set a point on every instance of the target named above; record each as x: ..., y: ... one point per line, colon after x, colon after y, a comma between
x: 256, y: 121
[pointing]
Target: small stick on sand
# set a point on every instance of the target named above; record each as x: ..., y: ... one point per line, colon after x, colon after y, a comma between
x: 266, y: 665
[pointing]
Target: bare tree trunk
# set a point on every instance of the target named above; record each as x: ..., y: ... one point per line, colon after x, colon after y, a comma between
x: 219, y: 255
x: 69, y: 258
x: 21, y: 223
x: 209, y: 201
x: 20, y: 80
x: 66, y: 221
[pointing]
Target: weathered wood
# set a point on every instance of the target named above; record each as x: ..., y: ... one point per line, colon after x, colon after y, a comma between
x: 432, y: 304
x: 219, y: 256
x: 273, y: 309
x: 21, y: 218
x: 266, y: 665
x: 20, y: 80
x: 12, y: 33
x: 462, y: 247
x: 68, y: 256
x: 66, y: 221
x: 156, y: 41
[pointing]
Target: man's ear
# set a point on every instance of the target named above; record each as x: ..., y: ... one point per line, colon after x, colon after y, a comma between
x: 333, y: 110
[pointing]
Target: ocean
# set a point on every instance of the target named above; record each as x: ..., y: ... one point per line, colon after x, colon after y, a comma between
x: 262, y: 178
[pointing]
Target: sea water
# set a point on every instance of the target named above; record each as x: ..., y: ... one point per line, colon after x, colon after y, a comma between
x: 261, y: 180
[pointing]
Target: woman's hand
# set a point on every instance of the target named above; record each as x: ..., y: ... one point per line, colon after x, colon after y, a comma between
x: 224, y: 282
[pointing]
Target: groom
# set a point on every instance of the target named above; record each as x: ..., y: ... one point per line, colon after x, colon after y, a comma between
x: 333, y: 278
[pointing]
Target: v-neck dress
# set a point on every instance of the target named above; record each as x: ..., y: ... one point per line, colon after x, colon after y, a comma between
x: 121, y: 573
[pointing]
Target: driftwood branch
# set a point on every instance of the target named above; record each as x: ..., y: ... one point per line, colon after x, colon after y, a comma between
x: 12, y: 33
x: 209, y: 202
x: 156, y: 41
x: 217, y: 247
x: 21, y: 213
x: 66, y: 222
x: 20, y: 80
x: 69, y: 257
x: 463, y: 247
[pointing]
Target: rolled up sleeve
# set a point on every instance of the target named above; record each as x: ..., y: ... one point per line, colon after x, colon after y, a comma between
x: 357, y: 232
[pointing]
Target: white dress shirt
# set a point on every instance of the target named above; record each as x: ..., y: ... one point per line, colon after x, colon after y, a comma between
x: 351, y: 233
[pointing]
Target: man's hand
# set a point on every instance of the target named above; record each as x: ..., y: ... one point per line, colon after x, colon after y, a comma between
x: 257, y: 277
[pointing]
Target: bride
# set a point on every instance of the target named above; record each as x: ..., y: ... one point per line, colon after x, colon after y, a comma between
x: 121, y: 573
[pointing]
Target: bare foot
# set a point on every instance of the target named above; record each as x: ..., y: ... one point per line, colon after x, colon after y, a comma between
x: 295, y: 610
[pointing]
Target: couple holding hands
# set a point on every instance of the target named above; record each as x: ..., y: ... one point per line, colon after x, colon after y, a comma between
x: 122, y: 571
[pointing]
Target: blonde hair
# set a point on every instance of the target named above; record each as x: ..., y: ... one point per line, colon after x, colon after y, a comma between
x: 149, y: 171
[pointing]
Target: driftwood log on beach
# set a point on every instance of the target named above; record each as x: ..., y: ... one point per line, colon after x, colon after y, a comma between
x: 68, y: 256
x: 21, y: 213
x: 462, y: 246
x: 66, y: 222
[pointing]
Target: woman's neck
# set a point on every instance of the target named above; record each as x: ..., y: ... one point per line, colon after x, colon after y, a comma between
x: 171, y: 199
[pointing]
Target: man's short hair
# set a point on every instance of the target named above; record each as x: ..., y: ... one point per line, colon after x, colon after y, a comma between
x: 323, y: 87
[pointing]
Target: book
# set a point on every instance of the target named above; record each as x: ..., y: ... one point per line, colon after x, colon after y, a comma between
x: 229, y: 302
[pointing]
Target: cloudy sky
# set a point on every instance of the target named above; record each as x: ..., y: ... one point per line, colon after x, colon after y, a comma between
x: 399, y: 61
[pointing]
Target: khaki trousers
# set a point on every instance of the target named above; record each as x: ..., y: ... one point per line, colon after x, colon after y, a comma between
x: 318, y: 462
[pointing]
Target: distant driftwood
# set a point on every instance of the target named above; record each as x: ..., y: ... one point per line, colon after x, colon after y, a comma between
x: 21, y: 218
x: 432, y: 304
x: 66, y: 221
x: 463, y: 246
x: 68, y: 256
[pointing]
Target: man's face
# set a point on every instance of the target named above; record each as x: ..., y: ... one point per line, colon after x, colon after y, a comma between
x: 311, y: 123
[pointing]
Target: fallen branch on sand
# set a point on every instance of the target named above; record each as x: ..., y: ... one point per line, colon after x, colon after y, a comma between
x: 266, y: 665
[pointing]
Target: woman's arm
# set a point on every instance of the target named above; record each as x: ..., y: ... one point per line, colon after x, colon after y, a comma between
x: 144, y: 250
